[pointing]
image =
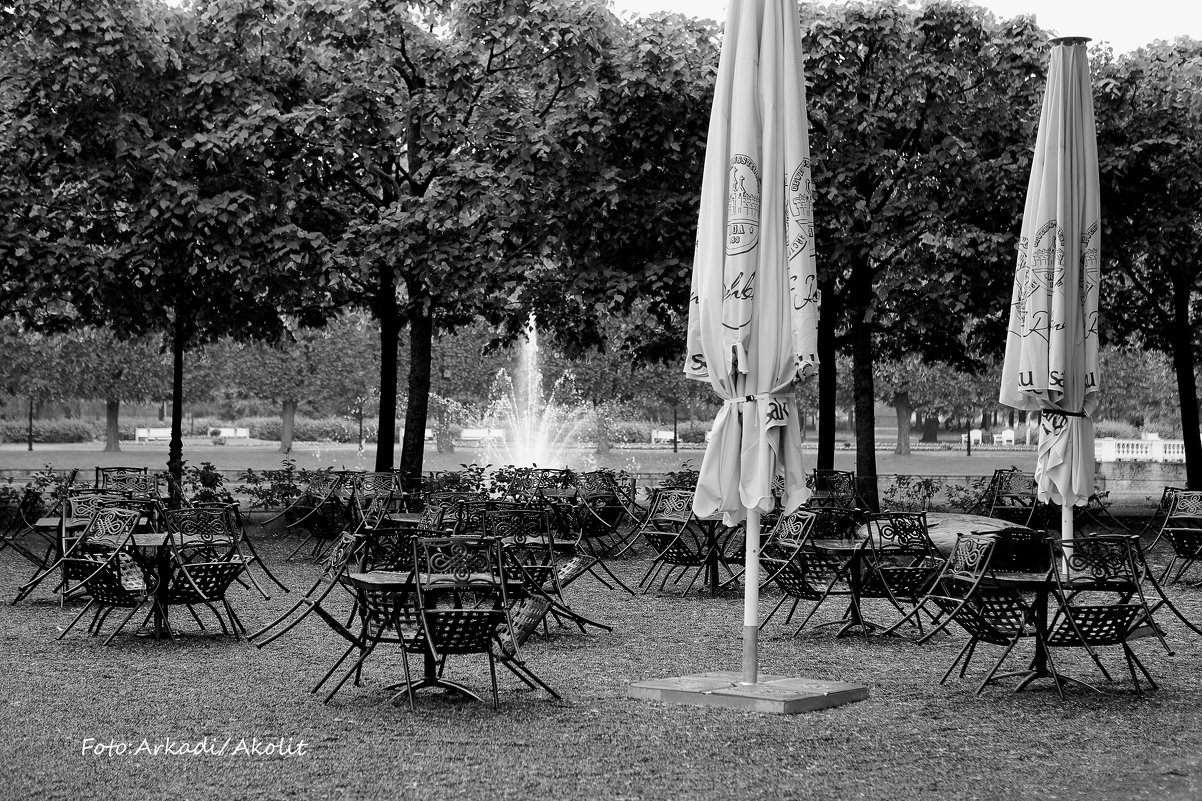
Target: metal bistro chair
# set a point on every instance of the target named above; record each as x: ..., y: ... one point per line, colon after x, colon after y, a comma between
x: 902, y: 563
x: 681, y: 545
x: 1182, y: 530
x: 835, y: 488
x: 968, y: 594
x: 1155, y: 522
x: 1096, y: 565
x: 430, y: 616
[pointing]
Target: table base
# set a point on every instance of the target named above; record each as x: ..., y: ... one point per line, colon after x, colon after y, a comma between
x: 411, y: 687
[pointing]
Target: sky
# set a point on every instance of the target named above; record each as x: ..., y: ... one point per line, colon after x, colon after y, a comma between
x: 1125, y: 25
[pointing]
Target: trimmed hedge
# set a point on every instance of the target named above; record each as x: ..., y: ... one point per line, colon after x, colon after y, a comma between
x: 51, y: 431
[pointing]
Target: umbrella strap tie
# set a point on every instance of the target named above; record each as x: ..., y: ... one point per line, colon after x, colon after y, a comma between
x: 1064, y: 413
x: 764, y: 396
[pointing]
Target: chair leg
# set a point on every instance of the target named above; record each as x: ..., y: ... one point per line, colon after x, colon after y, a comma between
x: 367, y: 649
x: 779, y: 603
x: 82, y: 612
x: 121, y: 625
x: 492, y: 672
x: 996, y: 665
x: 1133, y: 658
x: 956, y: 661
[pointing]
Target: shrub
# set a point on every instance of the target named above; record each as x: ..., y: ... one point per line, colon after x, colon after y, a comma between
x: 51, y: 431
x: 1120, y: 429
x: 626, y: 432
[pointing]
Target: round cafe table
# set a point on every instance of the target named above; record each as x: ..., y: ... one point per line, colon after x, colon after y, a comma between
x: 944, y: 527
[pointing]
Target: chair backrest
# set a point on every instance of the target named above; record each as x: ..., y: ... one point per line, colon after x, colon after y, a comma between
x: 371, y: 485
x: 833, y: 488
x: 671, y: 506
x: 528, y: 482
x: 323, y: 483
x: 84, y: 504
x: 835, y: 523
x: 793, y: 528
x: 209, y: 526
x: 1185, y: 506
x: 456, y: 562
x: 1020, y: 550
x: 469, y: 518
x: 900, y: 531
x: 451, y: 499
x: 527, y: 544
x: 1104, y: 563
x: 134, y: 480
x: 109, y: 528
x: 390, y: 547
x: 970, y: 559
x: 1013, y: 484
x: 597, y: 482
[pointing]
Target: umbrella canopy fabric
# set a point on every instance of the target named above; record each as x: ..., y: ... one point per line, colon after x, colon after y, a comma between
x: 1052, y: 342
x: 753, y: 312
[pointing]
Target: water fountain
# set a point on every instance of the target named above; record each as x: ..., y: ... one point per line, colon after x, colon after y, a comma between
x: 539, y: 427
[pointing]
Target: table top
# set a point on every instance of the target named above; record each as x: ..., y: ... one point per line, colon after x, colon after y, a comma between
x: 403, y: 579
x: 403, y: 517
x: 1023, y: 581
x: 149, y: 539
x: 944, y: 527
x: 837, y: 546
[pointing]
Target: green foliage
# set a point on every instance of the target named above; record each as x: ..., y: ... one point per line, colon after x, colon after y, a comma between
x: 50, y: 431
x: 205, y: 484
x: 471, y: 478
x: 272, y: 489
x: 908, y: 493
x: 1119, y: 429
x: 684, y: 478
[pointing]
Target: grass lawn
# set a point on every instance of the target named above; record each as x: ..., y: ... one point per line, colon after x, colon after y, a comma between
x: 912, y: 739
x: 262, y: 455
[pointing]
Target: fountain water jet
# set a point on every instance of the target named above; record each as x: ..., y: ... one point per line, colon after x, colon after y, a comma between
x: 539, y: 427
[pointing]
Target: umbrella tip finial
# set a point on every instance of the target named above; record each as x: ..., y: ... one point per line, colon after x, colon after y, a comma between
x: 1069, y: 41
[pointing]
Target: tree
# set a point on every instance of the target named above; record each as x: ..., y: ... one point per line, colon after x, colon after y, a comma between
x: 910, y: 385
x: 1149, y: 110
x: 140, y: 165
x: 628, y: 215
x: 1140, y: 388
x: 428, y: 150
x: 920, y: 164
x: 95, y: 364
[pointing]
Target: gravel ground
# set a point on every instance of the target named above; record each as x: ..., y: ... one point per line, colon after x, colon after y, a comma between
x: 912, y: 738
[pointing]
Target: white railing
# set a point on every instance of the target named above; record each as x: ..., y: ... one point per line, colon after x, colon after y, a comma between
x: 1139, y: 450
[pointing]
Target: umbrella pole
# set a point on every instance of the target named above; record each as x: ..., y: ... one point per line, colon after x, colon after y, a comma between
x: 1066, y: 530
x: 751, y: 599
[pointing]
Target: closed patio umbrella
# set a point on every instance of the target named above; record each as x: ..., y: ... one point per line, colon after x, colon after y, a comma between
x: 753, y: 312
x: 1051, y: 361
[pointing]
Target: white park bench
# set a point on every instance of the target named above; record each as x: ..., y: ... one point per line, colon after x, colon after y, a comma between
x: 482, y: 435
x: 230, y: 433
x: 662, y: 435
x: 148, y: 434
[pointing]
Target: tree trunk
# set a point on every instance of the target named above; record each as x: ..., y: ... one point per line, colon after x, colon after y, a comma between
x: 601, y: 419
x: 901, y: 404
x: 112, y: 434
x: 1181, y: 342
x: 175, y: 451
x: 865, y: 415
x: 287, y: 425
x: 827, y: 375
x: 421, y: 344
x: 30, y: 424
x: 390, y: 333
x: 930, y: 427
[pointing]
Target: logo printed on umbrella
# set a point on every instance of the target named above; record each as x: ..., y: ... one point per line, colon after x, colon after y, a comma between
x: 800, y: 217
x: 743, y: 206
